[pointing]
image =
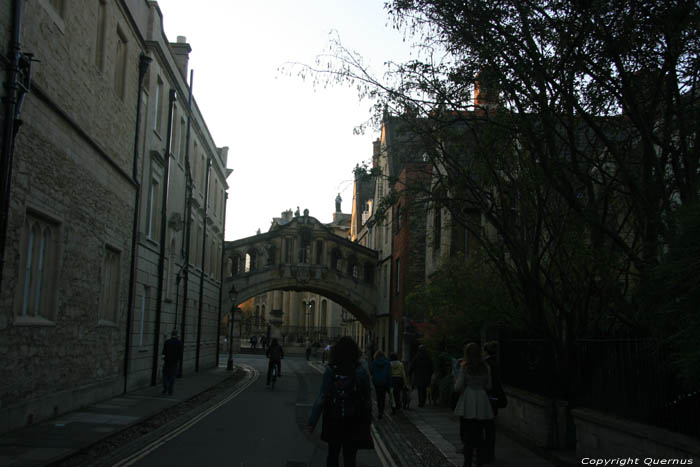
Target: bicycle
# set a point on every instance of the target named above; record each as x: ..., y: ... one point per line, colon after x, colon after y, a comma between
x: 273, y: 377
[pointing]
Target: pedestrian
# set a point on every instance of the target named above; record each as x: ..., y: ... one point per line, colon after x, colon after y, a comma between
x: 254, y: 342
x: 308, y: 350
x: 326, y: 352
x: 345, y: 402
x: 172, y: 355
x: 398, y: 381
x: 420, y: 371
x: 381, y: 377
x: 497, y: 397
x: 275, y: 353
x: 473, y: 406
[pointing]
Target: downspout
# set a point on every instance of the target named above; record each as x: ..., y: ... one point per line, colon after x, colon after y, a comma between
x: 204, y: 255
x: 188, y: 221
x: 144, y: 62
x: 17, y: 61
x: 221, y: 284
x: 163, y: 239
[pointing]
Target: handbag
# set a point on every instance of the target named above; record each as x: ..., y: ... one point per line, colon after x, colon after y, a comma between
x: 497, y: 397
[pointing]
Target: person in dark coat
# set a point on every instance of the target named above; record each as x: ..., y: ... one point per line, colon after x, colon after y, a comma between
x: 172, y: 355
x: 381, y: 377
x: 350, y: 433
x: 420, y: 372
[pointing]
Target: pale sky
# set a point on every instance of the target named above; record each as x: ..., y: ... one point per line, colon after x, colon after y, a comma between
x: 289, y: 144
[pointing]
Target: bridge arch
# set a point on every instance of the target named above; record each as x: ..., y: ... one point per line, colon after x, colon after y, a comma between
x: 304, y: 255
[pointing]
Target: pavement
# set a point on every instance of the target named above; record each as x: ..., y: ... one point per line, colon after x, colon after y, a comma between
x: 50, y: 441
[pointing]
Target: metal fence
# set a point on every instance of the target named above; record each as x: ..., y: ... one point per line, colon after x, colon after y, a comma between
x: 631, y: 378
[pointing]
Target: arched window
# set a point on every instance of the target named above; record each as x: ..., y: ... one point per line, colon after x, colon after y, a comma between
x: 336, y: 259
x: 352, y: 267
x: 319, y: 251
x: 229, y: 267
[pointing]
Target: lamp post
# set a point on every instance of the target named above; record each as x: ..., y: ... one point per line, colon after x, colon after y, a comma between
x: 232, y: 294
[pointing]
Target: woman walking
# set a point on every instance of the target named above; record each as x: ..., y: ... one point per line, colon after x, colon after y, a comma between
x: 473, y: 407
x: 381, y: 377
x: 345, y: 403
x: 398, y: 381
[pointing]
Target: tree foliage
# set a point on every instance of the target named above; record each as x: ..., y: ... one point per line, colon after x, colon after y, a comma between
x: 578, y: 155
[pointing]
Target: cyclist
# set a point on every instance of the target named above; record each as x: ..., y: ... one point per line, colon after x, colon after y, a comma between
x: 275, y: 354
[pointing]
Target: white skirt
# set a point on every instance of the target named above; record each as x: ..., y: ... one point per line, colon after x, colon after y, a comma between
x: 474, y: 403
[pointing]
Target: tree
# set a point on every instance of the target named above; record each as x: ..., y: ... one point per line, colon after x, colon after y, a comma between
x: 569, y: 126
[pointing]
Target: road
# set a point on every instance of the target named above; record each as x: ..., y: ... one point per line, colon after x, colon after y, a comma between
x: 258, y: 427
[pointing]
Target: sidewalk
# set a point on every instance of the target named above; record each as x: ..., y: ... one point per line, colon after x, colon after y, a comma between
x: 55, y: 439
x: 441, y: 427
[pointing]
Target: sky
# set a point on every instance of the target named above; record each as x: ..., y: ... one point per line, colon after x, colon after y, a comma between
x: 290, y: 143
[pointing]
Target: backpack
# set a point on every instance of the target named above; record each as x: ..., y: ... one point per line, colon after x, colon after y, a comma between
x: 344, y: 396
x: 275, y: 353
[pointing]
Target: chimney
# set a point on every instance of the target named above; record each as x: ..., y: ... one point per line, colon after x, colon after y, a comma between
x: 485, y: 90
x: 181, y: 51
x: 223, y: 154
x: 376, y: 149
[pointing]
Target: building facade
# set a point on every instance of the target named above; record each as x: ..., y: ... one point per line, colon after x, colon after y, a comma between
x: 74, y: 325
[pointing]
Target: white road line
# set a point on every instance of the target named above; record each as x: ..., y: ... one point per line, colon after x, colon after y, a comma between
x: 380, y: 448
x: 189, y: 424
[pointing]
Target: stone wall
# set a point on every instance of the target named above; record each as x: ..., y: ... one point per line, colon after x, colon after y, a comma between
x: 537, y: 419
x: 600, y: 436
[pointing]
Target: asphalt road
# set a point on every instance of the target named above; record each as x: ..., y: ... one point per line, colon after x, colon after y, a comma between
x: 258, y: 427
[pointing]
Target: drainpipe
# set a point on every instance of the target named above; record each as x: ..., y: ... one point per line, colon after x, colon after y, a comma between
x: 188, y: 224
x: 19, y: 65
x: 221, y: 282
x: 144, y: 62
x: 204, y: 255
x: 163, y: 239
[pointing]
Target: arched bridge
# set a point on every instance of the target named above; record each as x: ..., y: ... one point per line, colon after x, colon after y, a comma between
x: 304, y: 255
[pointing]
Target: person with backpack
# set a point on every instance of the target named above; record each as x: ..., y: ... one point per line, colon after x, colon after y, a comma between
x: 398, y: 381
x: 381, y: 377
x: 345, y: 403
x: 275, y: 353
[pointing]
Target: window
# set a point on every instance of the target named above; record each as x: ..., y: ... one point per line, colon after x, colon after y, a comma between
x: 319, y: 251
x: 288, y: 250
x: 398, y: 217
x: 152, y: 217
x: 157, y: 104
x: 203, y: 172
x: 437, y: 227
x: 199, y: 245
x: 145, y: 304
x: 39, y: 259
x: 385, y: 280
x: 110, y: 285
x: 120, y: 64
x: 193, y: 243
x: 100, y: 36
x: 398, y: 275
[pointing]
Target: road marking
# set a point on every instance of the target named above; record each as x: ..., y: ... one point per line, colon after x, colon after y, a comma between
x: 141, y: 453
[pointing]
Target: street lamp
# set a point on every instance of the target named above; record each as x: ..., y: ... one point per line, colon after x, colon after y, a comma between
x: 232, y: 294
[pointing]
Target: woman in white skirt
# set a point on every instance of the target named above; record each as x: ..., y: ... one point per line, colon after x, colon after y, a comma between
x: 473, y: 407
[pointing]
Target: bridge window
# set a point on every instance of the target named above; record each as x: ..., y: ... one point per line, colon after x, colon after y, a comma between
x: 237, y: 265
x: 335, y: 259
x: 251, y: 261
x: 352, y: 267
x: 369, y: 273
x: 319, y: 251
x: 288, y: 250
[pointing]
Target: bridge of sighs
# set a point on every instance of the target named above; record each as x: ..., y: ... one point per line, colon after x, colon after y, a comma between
x: 303, y: 255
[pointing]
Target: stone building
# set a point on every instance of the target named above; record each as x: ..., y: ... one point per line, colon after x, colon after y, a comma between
x: 306, y: 315
x: 80, y: 187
